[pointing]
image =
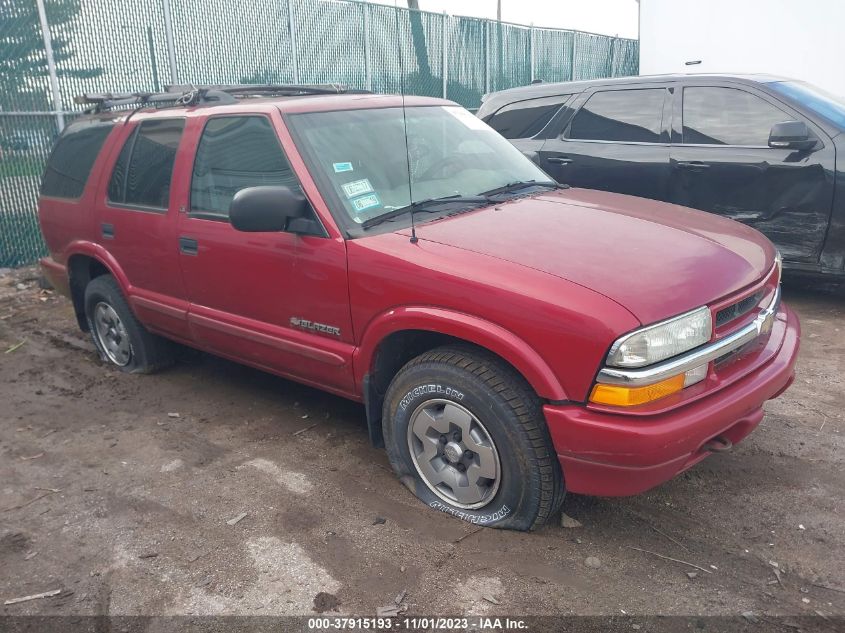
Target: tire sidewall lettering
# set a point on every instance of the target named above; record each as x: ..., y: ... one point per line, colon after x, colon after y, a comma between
x: 435, y: 389
x: 475, y: 519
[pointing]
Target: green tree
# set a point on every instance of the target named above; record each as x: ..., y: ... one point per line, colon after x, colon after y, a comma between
x: 22, y: 55
x: 420, y: 44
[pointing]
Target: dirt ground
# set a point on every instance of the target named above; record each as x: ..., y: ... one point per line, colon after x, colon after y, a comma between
x: 121, y: 492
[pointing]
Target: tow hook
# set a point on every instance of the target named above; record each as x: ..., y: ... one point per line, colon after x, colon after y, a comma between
x: 718, y: 444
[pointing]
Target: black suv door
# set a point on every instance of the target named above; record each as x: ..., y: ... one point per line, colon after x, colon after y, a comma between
x: 618, y: 140
x: 721, y: 162
x: 523, y: 122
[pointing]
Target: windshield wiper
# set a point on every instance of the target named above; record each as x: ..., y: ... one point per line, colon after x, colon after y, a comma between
x: 524, y: 184
x: 425, y: 206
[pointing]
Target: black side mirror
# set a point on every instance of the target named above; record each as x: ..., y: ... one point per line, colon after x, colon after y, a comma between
x: 791, y: 135
x: 268, y: 209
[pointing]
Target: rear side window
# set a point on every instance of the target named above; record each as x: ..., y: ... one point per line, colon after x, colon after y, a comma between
x: 144, y: 169
x: 525, y: 119
x: 625, y: 116
x: 727, y: 116
x: 236, y: 152
x: 72, y: 158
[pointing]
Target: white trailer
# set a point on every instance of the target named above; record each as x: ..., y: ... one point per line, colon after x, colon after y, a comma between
x: 797, y: 39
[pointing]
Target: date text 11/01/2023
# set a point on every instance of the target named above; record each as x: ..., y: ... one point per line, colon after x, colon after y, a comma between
x: 422, y: 623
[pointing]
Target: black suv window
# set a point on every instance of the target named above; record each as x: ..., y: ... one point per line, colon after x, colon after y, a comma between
x: 73, y: 157
x: 143, y: 171
x: 626, y: 116
x: 525, y: 119
x: 728, y: 116
x: 236, y: 152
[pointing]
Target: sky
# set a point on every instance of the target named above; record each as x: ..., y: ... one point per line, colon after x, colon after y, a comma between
x: 608, y: 17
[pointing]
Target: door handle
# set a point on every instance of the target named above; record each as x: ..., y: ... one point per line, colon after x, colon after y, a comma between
x: 107, y: 230
x: 692, y: 164
x: 560, y: 160
x: 188, y: 246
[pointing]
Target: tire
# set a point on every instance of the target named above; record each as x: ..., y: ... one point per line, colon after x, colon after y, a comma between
x: 508, y: 458
x: 118, y: 335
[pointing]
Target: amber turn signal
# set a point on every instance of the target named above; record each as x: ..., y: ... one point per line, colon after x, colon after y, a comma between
x: 619, y: 396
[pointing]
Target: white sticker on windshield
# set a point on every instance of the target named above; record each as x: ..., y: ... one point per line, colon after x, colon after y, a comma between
x: 357, y: 187
x: 366, y: 202
x: 466, y: 117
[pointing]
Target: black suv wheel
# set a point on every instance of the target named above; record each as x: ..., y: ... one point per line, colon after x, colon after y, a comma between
x: 465, y: 433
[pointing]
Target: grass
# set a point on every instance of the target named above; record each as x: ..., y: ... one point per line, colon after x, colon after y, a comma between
x: 16, y: 166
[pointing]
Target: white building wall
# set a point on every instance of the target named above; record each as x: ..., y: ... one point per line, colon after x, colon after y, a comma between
x: 801, y: 39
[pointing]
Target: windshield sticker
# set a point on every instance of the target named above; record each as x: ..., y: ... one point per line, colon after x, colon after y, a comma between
x: 341, y: 167
x: 357, y: 187
x: 467, y: 118
x: 366, y: 202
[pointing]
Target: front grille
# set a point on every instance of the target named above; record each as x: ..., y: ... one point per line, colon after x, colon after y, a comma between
x: 738, y: 309
x: 731, y: 356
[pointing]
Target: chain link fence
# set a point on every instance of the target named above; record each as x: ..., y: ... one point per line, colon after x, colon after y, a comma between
x: 52, y: 50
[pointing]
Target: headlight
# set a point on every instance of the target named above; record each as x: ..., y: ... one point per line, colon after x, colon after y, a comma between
x: 662, y: 340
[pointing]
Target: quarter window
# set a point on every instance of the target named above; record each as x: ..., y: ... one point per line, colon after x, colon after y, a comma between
x: 144, y: 168
x: 727, y: 116
x: 234, y: 153
x: 72, y: 158
x: 525, y: 119
x: 625, y: 116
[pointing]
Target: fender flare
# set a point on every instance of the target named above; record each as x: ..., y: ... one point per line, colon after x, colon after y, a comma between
x: 101, y: 255
x: 95, y: 251
x: 468, y: 327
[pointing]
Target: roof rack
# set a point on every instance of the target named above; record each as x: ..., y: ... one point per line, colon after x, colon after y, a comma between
x: 191, y: 94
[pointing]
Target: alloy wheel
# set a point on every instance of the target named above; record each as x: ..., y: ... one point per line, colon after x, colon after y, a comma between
x: 454, y: 454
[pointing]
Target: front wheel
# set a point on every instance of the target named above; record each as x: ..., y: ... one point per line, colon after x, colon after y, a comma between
x: 465, y: 433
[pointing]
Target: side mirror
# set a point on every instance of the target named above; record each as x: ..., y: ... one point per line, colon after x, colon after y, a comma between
x: 267, y: 209
x: 791, y: 135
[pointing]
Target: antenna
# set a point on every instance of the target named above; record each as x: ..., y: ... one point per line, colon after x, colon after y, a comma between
x: 414, y: 239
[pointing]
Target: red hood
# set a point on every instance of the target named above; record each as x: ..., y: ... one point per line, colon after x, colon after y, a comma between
x: 656, y: 259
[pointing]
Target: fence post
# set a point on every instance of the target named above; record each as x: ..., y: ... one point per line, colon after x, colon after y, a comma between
x: 368, y: 71
x: 293, y: 49
x: 610, y: 57
x: 486, y: 56
x: 153, y: 63
x: 531, y: 51
x: 572, y: 57
x: 445, y: 54
x: 51, y: 66
x: 171, y: 48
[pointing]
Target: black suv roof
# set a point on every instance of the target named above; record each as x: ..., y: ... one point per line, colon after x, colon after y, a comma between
x: 495, y: 100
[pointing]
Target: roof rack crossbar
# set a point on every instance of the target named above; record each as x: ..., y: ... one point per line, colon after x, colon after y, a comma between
x: 293, y: 89
x: 190, y: 94
x: 99, y: 102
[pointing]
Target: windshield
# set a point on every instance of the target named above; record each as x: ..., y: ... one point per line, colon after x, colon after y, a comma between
x: 822, y: 103
x: 361, y: 166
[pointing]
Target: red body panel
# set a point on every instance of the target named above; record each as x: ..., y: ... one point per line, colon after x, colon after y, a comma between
x: 546, y: 282
x: 683, y: 258
x: 561, y: 328
x: 244, y: 289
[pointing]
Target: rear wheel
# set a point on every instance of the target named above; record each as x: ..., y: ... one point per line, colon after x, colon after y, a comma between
x: 466, y: 435
x: 118, y: 335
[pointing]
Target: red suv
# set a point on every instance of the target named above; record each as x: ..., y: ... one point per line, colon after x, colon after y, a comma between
x: 509, y: 337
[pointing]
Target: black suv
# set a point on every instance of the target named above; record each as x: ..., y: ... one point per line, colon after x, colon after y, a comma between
x: 755, y: 148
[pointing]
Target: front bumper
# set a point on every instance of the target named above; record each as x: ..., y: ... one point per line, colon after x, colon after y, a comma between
x: 607, y: 454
